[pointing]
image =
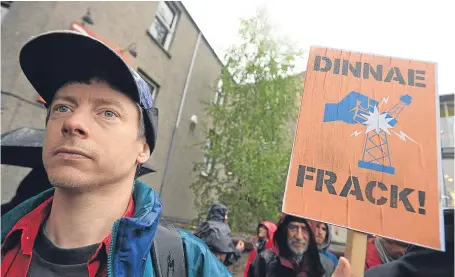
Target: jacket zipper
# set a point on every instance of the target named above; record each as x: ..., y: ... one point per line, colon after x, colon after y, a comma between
x: 110, y: 257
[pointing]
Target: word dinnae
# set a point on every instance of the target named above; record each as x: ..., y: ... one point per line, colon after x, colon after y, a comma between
x: 327, y: 181
x: 366, y: 71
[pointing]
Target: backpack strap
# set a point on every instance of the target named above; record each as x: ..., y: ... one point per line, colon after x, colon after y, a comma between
x: 168, y: 255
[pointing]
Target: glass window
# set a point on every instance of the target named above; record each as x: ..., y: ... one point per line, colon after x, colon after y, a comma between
x: 447, y: 123
x: 164, y: 24
x: 5, y: 9
x: 159, y: 32
x: 219, y: 97
x: 166, y: 14
x: 448, y: 193
x: 152, y: 85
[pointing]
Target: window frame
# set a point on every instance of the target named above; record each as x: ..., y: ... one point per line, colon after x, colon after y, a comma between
x: 170, y: 29
x: 209, y: 162
x: 6, y: 6
x: 219, y: 96
x: 150, y: 82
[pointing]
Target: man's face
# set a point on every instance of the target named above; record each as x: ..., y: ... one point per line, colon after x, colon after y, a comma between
x: 297, y: 237
x: 394, y: 248
x: 262, y: 232
x: 92, y: 137
x: 321, y: 233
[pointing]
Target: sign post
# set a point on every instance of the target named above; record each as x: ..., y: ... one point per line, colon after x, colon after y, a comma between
x: 355, y: 252
x: 366, y: 153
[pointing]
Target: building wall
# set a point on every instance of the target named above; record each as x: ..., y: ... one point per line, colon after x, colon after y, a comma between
x: 119, y: 24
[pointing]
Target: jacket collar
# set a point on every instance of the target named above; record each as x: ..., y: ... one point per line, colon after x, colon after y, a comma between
x: 144, y: 222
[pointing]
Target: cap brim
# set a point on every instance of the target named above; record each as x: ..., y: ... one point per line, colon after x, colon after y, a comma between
x: 53, y: 59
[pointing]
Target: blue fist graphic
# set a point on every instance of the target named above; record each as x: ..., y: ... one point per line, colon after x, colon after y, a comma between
x: 352, y: 109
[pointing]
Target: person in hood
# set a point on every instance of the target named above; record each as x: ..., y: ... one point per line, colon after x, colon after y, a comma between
x: 422, y: 262
x: 294, y: 253
x: 217, y: 220
x: 101, y: 126
x: 218, y: 238
x: 382, y: 250
x: 323, y: 236
x: 263, y: 241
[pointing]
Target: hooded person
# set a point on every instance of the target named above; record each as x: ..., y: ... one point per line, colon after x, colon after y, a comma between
x: 218, y: 238
x: 382, y: 251
x: 216, y: 220
x: 422, y: 262
x: 323, y: 236
x: 294, y: 253
x: 263, y: 241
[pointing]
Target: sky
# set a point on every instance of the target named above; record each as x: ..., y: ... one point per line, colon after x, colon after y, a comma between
x: 417, y: 30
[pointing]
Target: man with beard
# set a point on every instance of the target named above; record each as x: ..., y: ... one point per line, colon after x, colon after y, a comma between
x: 295, y: 253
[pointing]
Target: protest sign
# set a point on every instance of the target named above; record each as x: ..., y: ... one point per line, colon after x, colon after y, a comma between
x: 366, y: 153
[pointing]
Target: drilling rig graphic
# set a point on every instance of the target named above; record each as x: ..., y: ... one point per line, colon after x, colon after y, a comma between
x: 376, y: 153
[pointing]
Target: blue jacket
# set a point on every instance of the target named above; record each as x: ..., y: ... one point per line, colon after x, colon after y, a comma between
x: 325, y: 246
x: 132, y: 238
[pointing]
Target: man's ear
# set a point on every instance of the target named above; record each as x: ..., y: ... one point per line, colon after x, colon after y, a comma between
x: 144, y: 155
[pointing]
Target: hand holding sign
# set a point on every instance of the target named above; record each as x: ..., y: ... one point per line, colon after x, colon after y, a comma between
x: 352, y: 109
x: 343, y: 268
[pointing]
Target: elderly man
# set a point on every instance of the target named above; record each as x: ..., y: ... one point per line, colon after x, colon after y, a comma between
x: 98, y: 220
x: 295, y: 253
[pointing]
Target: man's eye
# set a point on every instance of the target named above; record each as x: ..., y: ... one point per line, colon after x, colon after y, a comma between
x: 62, y: 109
x: 109, y: 114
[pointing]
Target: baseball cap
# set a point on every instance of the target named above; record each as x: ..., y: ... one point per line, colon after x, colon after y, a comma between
x: 51, y: 60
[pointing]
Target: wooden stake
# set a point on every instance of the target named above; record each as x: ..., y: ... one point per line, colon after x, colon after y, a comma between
x: 355, y: 252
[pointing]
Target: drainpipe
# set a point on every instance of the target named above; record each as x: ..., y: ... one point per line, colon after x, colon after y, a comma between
x: 179, y: 115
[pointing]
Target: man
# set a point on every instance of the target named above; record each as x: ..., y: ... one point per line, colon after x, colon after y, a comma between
x: 218, y: 239
x: 217, y: 220
x: 263, y: 241
x: 422, y: 262
x: 381, y: 251
x: 101, y: 126
x: 295, y: 253
x: 323, y: 236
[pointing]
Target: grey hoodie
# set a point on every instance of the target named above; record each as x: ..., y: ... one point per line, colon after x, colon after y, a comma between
x: 326, y: 244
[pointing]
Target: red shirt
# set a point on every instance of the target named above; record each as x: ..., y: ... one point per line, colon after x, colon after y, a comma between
x: 372, y: 256
x: 17, y: 248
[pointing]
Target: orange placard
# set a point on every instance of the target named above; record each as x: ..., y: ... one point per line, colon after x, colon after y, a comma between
x: 366, y: 154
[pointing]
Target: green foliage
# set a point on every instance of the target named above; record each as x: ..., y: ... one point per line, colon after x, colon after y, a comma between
x: 252, y: 138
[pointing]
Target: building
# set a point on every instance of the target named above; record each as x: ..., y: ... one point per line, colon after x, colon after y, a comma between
x: 160, y: 40
x: 447, y: 145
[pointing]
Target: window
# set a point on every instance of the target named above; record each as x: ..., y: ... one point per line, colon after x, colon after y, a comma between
x: 5, y: 8
x: 208, y: 161
x: 447, y: 121
x: 163, y: 26
x: 152, y: 85
x: 448, y: 193
x: 219, y: 97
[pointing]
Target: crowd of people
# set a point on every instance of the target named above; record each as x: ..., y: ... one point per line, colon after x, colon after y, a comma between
x: 98, y: 219
x: 300, y: 247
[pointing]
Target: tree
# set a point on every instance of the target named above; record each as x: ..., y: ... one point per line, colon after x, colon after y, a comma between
x: 249, y: 146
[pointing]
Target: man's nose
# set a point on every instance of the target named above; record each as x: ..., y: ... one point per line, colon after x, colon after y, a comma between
x: 76, y: 124
x: 299, y: 234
